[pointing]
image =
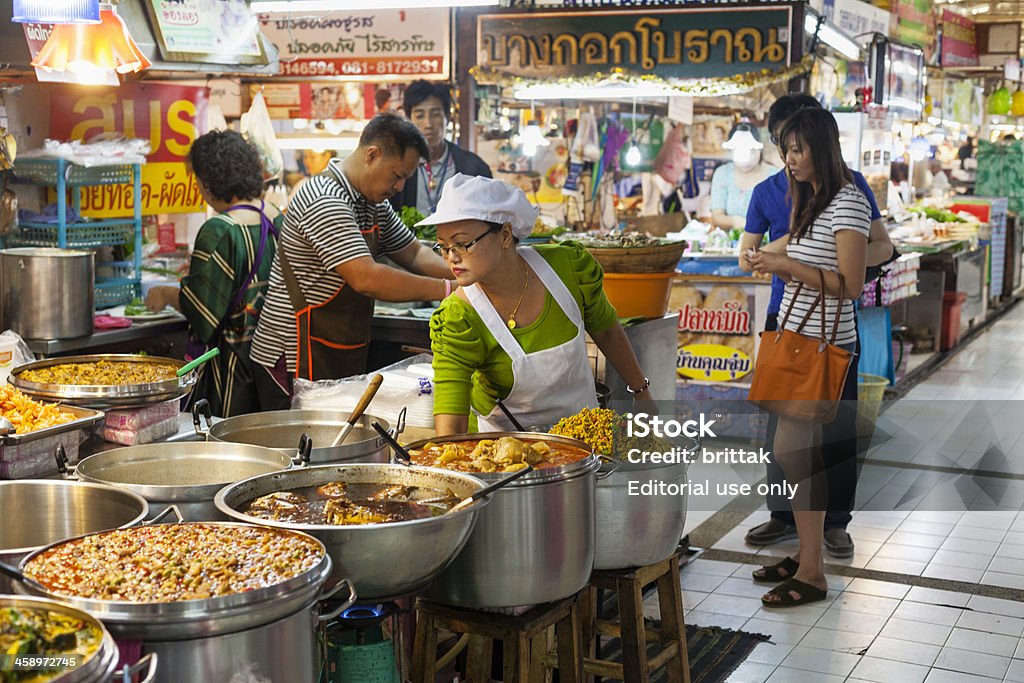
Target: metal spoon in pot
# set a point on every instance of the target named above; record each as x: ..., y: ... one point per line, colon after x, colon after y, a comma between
x: 357, y: 412
x: 6, y: 427
x: 466, y: 502
x: 511, y: 418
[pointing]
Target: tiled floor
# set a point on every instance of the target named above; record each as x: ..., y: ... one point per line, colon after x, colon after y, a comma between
x: 952, y: 523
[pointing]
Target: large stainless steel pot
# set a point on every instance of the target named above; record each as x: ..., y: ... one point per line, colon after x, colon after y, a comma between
x: 637, y: 530
x: 36, y: 283
x: 204, y: 618
x: 36, y: 513
x: 534, y: 543
x: 187, y: 475
x: 281, y: 429
x: 384, y: 561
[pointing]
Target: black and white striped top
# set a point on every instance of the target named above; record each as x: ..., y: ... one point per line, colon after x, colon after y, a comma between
x: 321, y: 231
x: 849, y: 210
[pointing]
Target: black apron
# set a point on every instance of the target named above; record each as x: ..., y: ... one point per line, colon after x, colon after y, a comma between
x: 332, y: 338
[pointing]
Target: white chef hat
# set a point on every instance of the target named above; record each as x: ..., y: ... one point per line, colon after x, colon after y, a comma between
x: 484, y: 199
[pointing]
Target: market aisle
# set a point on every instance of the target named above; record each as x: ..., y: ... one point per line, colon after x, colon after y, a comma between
x: 966, y: 623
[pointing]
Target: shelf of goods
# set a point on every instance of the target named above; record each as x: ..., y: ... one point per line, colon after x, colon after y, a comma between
x: 64, y: 176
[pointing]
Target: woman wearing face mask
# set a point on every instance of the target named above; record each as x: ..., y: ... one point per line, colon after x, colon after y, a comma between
x: 733, y: 183
x: 516, y: 327
x: 829, y: 228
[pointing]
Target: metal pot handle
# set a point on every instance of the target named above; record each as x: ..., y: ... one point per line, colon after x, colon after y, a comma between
x: 616, y: 464
x: 67, y: 471
x: 345, y: 604
x: 127, y: 675
x: 400, y: 427
x: 304, y: 451
x: 163, y: 513
x: 202, y: 408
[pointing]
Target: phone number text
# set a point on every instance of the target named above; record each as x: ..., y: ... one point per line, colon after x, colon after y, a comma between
x: 362, y: 67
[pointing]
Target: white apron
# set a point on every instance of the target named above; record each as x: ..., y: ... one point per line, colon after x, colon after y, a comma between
x: 547, y: 385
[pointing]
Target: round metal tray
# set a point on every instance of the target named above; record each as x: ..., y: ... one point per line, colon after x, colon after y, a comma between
x: 105, y: 396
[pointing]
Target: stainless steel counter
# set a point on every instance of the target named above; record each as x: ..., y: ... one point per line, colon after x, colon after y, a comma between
x: 108, y: 338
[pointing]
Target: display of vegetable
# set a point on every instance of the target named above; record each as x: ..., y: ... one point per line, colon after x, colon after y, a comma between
x: 618, y: 240
x: 938, y: 215
x: 137, y: 307
x: 604, y: 430
x: 410, y: 215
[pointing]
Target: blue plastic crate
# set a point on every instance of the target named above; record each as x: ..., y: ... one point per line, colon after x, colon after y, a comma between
x: 112, y: 292
x: 78, y: 234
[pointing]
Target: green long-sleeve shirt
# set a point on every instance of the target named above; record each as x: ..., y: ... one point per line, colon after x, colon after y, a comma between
x: 471, y: 369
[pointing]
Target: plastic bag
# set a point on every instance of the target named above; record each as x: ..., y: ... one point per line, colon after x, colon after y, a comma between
x: 407, y: 384
x: 21, y: 354
x: 673, y: 159
x: 259, y: 130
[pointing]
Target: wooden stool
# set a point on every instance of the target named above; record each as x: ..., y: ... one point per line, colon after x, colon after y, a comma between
x: 628, y: 585
x: 524, y: 638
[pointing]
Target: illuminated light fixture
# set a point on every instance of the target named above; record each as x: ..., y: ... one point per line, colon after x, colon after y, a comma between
x: 531, y: 138
x: 275, y: 6
x: 318, y: 143
x: 831, y: 36
x: 92, y: 50
x: 591, y: 92
x: 56, y: 11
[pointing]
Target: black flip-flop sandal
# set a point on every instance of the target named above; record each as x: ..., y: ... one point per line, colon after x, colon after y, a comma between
x: 772, y: 573
x: 806, y: 591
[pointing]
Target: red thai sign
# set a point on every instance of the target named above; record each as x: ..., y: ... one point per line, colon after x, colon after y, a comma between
x: 959, y: 40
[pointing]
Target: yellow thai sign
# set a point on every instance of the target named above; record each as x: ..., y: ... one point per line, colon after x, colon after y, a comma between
x: 713, y: 362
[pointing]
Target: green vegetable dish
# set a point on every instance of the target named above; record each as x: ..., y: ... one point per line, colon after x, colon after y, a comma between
x: 137, y: 307
x: 37, y: 631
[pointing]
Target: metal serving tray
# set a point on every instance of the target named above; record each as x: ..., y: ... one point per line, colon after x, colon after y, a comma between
x: 105, y: 396
x: 85, y: 418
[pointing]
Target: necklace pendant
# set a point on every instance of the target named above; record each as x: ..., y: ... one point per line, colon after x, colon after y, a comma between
x: 432, y: 184
x: 511, y: 323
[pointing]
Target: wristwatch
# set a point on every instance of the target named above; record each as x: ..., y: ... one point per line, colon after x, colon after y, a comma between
x: 643, y: 387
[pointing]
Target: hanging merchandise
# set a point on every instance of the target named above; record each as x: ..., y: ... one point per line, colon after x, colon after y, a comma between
x: 258, y: 129
x: 999, y: 102
x: 585, y: 147
x: 1001, y: 172
x: 1017, y: 102
x: 673, y: 158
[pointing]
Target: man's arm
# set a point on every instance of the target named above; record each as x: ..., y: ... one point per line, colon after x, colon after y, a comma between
x: 385, y: 283
x: 417, y: 258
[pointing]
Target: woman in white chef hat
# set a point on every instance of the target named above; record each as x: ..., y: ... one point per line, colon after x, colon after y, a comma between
x: 515, y: 329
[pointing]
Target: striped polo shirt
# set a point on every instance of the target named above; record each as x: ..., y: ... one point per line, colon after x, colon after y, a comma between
x: 849, y: 210
x: 321, y: 231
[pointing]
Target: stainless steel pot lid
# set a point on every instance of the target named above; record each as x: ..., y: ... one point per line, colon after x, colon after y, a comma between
x: 155, y: 471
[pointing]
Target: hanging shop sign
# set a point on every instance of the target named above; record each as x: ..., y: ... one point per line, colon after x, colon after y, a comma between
x: 913, y: 22
x: 380, y: 45
x: 222, y: 32
x: 169, y: 116
x: 715, y: 335
x: 675, y: 44
x: 959, y: 40
x: 323, y: 101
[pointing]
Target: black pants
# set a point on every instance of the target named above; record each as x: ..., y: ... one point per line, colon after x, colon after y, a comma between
x: 838, y: 450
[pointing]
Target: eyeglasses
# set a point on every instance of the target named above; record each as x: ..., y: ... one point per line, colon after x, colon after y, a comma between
x: 458, y: 247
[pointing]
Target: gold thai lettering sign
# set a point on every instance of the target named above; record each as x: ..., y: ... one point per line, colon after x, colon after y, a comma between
x: 686, y: 43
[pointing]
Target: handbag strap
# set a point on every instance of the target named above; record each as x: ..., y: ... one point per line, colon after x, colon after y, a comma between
x: 819, y: 302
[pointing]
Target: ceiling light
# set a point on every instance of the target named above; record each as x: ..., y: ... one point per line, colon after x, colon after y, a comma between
x: 91, y: 50
x: 831, y: 36
x: 56, y: 11
x: 531, y: 138
x: 317, y: 6
x: 633, y: 157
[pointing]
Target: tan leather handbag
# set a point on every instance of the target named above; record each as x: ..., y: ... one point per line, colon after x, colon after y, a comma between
x: 800, y: 376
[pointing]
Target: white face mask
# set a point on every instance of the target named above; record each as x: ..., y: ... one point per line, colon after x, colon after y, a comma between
x: 746, y: 159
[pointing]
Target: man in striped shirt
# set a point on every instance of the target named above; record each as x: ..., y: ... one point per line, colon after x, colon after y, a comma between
x: 316, y: 320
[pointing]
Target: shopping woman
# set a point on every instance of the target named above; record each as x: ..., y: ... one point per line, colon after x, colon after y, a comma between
x: 515, y: 329
x: 223, y: 293
x: 828, y: 231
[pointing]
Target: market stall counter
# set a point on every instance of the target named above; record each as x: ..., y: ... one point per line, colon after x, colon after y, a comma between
x: 159, y: 337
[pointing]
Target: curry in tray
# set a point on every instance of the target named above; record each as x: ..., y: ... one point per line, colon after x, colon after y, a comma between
x: 341, y: 503
x: 505, y: 454
x: 102, y: 373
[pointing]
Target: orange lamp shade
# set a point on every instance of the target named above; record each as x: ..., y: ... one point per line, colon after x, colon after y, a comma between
x: 86, y: 49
